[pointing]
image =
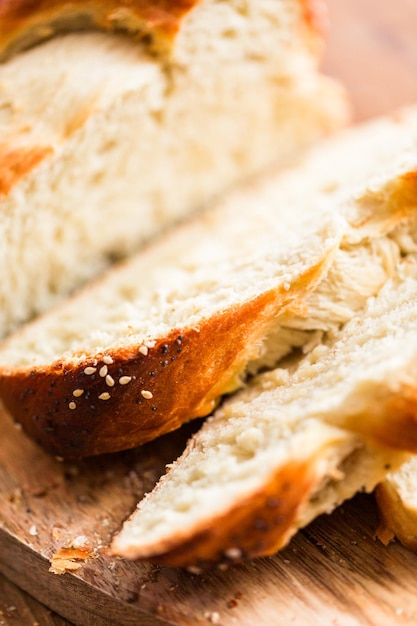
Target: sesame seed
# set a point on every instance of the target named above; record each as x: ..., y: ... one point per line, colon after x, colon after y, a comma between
x: 107, y: 359
x: 144, y: 350
x: 90, y: 370
x: 109, y: 381
x: 77, y: 393
x: 104, y: 396
x: 72, y: 405
x: 146, y: 394
x: 124, y: 380
x: 103, y: 371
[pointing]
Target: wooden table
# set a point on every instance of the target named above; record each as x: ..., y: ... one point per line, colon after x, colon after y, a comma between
x: 373, y: 49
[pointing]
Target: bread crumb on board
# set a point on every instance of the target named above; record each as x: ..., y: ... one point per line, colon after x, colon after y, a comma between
x: 70, y: 558
x: 33, y: 531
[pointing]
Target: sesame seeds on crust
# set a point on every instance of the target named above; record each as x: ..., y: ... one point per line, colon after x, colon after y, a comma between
x: 125, y: 380
x: 113, y: 378
x: 103, y: 371
x: 142, y: 395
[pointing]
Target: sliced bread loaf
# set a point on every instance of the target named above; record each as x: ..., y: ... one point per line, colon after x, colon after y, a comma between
x: 290, y: 446
x: 160, y: 338
x: 157, y: 341
x: 104, y: 144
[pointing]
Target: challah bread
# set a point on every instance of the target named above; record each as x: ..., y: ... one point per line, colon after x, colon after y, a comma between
x: 272, y: 267
x: 104, y: 144
x: 292, y: 445
x: 397, y: 504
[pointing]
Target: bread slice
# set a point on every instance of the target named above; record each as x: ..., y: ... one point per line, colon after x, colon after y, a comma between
x: 105, y: 142
x: 397, y: 504
x: 159, y: 340
x: 290, y: 446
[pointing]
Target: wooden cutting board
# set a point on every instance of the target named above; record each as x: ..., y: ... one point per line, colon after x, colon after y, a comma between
x: 334, y: 572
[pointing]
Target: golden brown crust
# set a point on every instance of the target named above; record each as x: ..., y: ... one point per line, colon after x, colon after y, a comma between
x: 26, y: 22
x: 185, y: 373
x: 396, y: 518
x: 256, y: 525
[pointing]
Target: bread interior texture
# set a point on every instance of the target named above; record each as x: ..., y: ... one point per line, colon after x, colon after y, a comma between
x: 359, y: 220
x: 193, y: 274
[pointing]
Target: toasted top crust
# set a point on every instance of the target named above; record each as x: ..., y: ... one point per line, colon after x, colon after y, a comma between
x: 26, y: 22
x: 148, y: 397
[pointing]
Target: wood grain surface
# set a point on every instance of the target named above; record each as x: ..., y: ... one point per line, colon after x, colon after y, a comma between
x: 333, y: 573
